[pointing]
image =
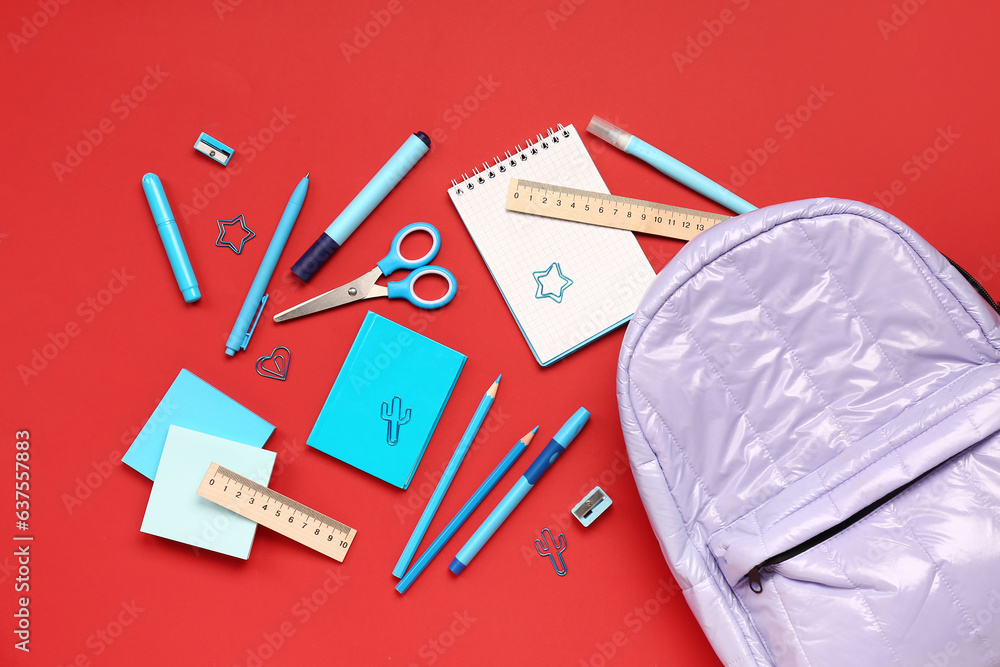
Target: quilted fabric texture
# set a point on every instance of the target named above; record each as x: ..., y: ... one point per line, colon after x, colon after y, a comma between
x: 787, y: 370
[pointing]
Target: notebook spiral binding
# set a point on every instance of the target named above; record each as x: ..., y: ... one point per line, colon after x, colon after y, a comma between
x: 510, y: 159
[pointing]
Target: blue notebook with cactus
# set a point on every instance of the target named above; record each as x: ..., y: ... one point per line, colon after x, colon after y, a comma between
x: 387, y: 400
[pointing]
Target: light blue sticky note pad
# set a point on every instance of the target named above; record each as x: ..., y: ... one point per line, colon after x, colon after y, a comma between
x: 176, y: 511
x: 386, y: 401
x: 193, y: 403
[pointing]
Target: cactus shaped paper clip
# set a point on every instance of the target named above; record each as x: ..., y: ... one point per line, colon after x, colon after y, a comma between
x: 395, y: 417
x: 553, y: 547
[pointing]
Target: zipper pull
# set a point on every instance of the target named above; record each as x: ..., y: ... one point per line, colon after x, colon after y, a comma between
x: 754, y: 577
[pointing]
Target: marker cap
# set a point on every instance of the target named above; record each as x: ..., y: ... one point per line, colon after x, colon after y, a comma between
x: 611, y: 133
x: 157, y: 199
x: 572, y: 427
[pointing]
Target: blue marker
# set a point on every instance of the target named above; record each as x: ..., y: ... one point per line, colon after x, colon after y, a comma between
x: 239, y: 337
x: 414, y: 148
x: 171, y: 237
x: 467, y: 509
x: 672, y: 167
x: 556, y: 446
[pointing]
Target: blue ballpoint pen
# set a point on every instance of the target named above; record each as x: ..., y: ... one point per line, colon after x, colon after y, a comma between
x: 467, y: 509
x: 254, y: 303
x: 446, y: 478
x: 672, y: 167
x: 560, y: 441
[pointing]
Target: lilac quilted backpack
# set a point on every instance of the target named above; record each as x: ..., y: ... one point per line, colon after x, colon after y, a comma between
x: 810, y: 396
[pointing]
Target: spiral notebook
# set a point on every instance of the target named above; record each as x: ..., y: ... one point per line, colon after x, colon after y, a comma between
x: 565, y: 283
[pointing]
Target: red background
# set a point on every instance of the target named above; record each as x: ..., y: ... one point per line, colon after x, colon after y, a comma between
x: 889, y: 88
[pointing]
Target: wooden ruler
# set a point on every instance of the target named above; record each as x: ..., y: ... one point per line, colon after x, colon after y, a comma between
x: 595, y: 208
x: 277, y: 512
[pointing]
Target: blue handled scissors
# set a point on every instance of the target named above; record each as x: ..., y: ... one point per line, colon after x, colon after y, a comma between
x: 365, y: 287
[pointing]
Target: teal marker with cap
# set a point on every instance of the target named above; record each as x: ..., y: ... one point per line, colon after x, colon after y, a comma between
x: 171, y: 237
x: 414, y: 148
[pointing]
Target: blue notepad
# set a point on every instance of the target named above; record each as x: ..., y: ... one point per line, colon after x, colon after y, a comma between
x: 566, y: 284
x: 386, y: 401
x: 176, y: 511
x: 193, y: 403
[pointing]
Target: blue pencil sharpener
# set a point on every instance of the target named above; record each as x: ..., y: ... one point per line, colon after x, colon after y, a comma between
x: 214, y: 149
x: 594, y: 505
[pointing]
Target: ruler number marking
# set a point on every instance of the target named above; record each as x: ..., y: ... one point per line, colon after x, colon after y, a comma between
x: 600, y: 209
x: 321, y: 522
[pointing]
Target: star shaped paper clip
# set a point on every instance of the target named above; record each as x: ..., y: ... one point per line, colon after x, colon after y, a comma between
x: 548, y: 279
x: 247, y: 233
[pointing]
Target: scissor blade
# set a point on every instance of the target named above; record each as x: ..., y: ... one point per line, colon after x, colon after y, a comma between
x: 348, y: 293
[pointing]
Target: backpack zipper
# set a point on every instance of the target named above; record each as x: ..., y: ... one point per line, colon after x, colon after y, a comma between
x: 754, y: 574
x: 975, y: 284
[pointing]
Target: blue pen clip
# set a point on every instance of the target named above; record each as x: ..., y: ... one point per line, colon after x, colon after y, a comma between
x: 253, y: 327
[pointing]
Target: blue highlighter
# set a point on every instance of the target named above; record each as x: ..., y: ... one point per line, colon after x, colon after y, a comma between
x: 171, y: 237
x: 382, y: 183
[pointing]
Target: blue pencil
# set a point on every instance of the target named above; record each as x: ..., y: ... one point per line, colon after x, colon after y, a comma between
x: 449, y: 474
x: 560, y: 441
x: 467, y: 509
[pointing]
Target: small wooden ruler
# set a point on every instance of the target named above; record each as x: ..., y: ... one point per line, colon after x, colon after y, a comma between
x: 277, y: 512
x: 595, y: 208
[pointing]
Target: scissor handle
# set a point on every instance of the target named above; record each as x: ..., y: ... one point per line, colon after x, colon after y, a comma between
x: 395, y: 260
x: 403, y: 289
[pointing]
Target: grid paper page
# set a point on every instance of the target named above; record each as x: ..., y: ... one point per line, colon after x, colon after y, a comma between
x: 566, y: 283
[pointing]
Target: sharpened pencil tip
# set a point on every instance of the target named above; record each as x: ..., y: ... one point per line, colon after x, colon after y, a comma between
x: 498, y: 378
x: 535, y: 430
